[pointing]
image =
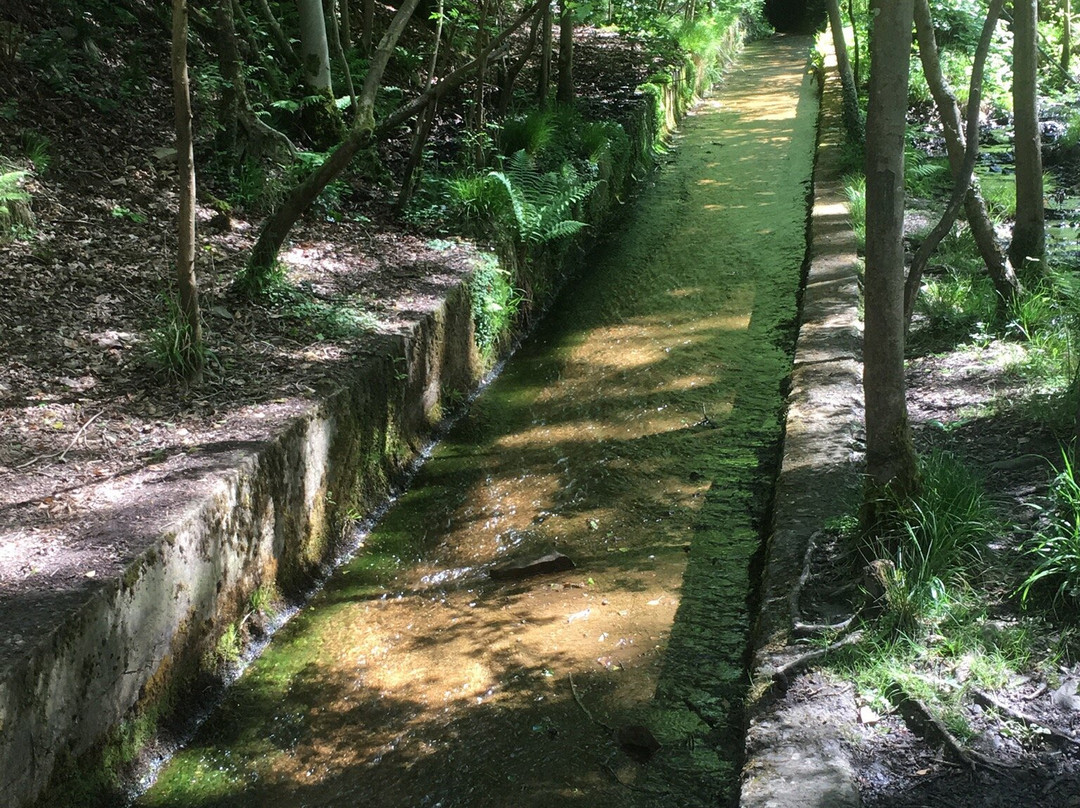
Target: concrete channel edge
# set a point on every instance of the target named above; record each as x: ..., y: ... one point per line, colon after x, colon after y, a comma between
x: 797, y: 750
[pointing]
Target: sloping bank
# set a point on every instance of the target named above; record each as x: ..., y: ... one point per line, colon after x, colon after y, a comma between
x: 80, y: 702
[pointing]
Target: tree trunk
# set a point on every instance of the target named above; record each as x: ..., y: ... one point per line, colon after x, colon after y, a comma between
x: 890, y: 457
x: 565, y: 92
x: 416, y: 153
x: 192, y: 348
x: 346, y: 24
x: 280, y: 222
x: 281, y: 42
x: 1029, y: 233
x: 367, y: 34
x: 229, y: 64
x: 852, y: 118
x: 1066, y: 35
x: 957, y: 143
x: 856, y: 75
x: 314, y: 47
x: 506, y: 92
x: 339, y: 50
x: 544, y: 82
x: 479, y: 111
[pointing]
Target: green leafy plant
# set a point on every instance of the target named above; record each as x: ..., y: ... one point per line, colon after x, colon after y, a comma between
x: 933, y: 541
x: 539, y: 206
x: 1055, y: 548
x: 169, y: 344
x: 855, y: 191
x: 495, y: 302
x: 14, y: 210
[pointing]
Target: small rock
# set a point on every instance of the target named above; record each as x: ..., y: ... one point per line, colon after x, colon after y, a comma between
x: 1065, y: 698
x: 519, y: 570
x: 868, y: 716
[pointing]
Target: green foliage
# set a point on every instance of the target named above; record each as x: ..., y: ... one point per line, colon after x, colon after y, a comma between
x: 531, y: 133
x: 999, y: 193
x: 1055, y: 549
x: 932, y: 541
x: 531, y: 206
x: 1047, y: 318
x: 957, y: 301
x: 14, y: 210
x: 924, y: 177
x: 37, y: 149
x: 495, y: 302
x: 170, y: 347
x: 855, y: 191
x: 539, y: 206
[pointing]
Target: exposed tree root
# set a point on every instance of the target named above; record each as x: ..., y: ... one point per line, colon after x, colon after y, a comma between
x: 784, y: 675
x: 989, y: 701
x: 923, y: 722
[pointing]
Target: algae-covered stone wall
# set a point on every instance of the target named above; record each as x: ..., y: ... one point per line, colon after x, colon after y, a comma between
x: 78, y: 704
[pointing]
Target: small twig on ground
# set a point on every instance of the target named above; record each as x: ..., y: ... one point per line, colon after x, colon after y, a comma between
x: 584, y: 709
x: 919, y: 718
x: 989, y: 701
x: 801, y: 630
x: 61, y: 455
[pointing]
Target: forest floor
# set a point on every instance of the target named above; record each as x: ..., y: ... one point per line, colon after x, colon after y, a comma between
x: 91, y: 431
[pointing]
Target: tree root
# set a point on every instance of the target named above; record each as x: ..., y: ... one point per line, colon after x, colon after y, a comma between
x: 786, y: 673
x: 989, y: 701
x: 923, y: 722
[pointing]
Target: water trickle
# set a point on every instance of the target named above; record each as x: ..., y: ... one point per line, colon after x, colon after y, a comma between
x: 628, y: 435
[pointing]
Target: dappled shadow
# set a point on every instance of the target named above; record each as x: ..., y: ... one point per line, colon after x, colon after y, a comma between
x: 637, y: 435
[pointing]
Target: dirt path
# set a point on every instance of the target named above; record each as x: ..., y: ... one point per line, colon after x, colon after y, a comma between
x: 636, y: 434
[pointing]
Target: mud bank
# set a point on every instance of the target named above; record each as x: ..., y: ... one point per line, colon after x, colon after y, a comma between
x: 89, y: 683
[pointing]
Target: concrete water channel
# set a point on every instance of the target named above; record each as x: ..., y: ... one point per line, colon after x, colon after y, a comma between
x: 636, y: 433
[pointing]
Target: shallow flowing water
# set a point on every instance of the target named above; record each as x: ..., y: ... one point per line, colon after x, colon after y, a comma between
x: 635, y: 434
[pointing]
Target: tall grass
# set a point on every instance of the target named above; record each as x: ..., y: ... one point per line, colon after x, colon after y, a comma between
x: 1055, y: 548
x: 933, y: 543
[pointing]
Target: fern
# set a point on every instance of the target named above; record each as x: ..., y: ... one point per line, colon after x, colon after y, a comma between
x: 540, y: 205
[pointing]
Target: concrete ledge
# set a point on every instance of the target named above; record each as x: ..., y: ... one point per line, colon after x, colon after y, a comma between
x: 274, y: 513
x: 795, y: 748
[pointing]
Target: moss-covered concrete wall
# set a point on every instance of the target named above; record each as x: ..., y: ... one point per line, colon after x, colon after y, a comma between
x: 76, y: 707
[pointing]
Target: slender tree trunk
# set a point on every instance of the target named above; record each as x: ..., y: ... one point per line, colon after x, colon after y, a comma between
x: 346, y: 24
x: 958, y: 145
x: 277, y: 226
x: 1066, y: 35
x: 565, y: 91
x: 544, y: 82
x: 229, y: 65
x: 281, y: 42
x: 314, y: 46
x: 857, y: 75
x: 852, y: 117
x: 367, y: 33
x: 339, y: 50
x: 416, y: 153
x: 1029, y: 233
x: 479, y: 110
x: 890, y: 457
x: 506, y: 92
x: 185, y: 252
